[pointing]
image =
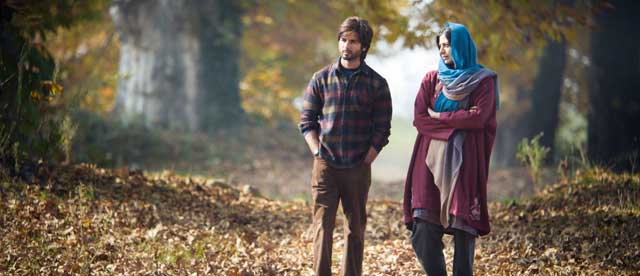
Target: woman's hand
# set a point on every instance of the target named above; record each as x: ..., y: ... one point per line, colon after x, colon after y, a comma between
x: 433, y: 114
x: 436, y: 115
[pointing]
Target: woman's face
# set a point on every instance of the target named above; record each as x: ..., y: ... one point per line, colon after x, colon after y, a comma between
x: 445, y: 50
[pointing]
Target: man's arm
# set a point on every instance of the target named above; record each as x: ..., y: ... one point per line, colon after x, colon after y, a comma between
x: 312, y: 141
x: 382, y: 111
x: 311, y: 107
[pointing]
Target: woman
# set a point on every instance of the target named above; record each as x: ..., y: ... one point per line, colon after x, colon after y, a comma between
x: 446, y: 186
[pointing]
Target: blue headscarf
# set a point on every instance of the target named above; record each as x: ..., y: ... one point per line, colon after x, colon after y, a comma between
x: 467, y: 73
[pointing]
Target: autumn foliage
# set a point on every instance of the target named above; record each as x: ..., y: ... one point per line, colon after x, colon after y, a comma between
x: 92, y: 221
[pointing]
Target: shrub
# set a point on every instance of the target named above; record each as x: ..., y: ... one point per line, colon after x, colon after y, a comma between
x: 532, y: 155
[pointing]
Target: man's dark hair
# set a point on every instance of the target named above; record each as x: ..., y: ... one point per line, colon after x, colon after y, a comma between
x: 360, y: 26
x: 447, y: 32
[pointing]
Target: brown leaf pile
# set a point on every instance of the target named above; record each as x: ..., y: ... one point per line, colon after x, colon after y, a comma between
x: 587, y: 226
x: 90, y: 221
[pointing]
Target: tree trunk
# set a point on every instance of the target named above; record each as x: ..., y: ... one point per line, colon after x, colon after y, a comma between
x: 614, y: 95
x: 545, y: 94
x: 178, y: 63
x: 541, y: 115
x: 220, y: 35
x: 510, y: 131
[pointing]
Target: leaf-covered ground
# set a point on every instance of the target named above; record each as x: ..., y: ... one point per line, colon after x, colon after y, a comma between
x: 90, y: 221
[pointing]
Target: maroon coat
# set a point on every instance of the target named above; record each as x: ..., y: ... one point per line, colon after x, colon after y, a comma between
x: 469, y: 199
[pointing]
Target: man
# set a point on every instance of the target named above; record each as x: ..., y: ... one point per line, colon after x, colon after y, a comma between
x: 346, y: 121
x: 446, y: 186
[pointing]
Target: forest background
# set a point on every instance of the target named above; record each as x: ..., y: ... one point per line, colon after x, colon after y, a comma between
x: 211, y: 89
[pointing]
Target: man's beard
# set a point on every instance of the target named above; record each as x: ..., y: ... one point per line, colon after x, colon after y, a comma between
x: 351, y: 55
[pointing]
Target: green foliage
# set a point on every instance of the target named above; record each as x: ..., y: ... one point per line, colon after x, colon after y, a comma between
x: 44, y: 195
x: 572, y: 133
x: 532, y: 155
x: 69, y: 129
x: 27, y: 120
x: 31, y: 117
x: 109, y: 143
x: 510, y: 201
x: 86, y: 192
x: 573, y: 163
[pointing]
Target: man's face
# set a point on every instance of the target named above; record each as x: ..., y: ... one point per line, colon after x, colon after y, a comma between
x: 349, y: 46
x: 445, y: 50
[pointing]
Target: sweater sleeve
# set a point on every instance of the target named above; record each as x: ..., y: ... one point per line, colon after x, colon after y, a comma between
x: 406, y: 202
x: 427, y: 126
x: 382, y: 111
x: 485, y: 105
x: 311, y: 108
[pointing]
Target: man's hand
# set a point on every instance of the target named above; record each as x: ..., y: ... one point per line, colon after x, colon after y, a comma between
x: 312, y: 141
x: 371, y: 155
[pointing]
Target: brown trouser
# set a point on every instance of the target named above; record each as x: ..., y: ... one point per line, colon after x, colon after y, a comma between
x: 329, y: 186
